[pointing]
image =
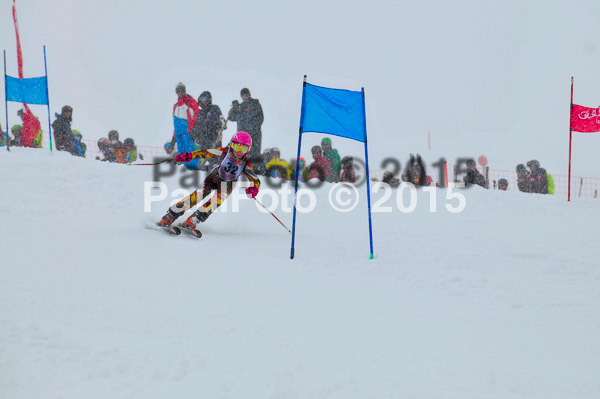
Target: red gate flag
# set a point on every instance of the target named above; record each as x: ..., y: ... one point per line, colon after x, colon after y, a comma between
x: 19, y: 53
x: 584, y: 119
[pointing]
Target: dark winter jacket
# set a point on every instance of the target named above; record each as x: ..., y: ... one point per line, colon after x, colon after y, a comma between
x: 474, y: 177
x: 539, y: 181
x: 108, y: 154
x: 416, y: 173
x: 524, y: 183
x: 63, y: 136
x: 391, y: 180
x: 249, y: 118
x: 348, y: 174
x: 206, y: 129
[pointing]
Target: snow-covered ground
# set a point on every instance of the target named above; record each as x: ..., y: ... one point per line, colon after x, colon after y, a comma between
x: 498, y: 301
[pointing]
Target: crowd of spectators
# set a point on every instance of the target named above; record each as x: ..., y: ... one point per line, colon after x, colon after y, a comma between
x: 199, y: 125
x: 113, y: 150
x: 203, y: 128
x: 535, y: 180
x: 29, y: 134
x: 326, y: 166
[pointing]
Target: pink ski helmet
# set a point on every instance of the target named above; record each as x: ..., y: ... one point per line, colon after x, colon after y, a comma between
x: 240, y: 144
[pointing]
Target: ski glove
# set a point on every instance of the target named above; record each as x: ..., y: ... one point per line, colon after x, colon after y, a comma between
x: 184, y: 157
x: 251, y: 192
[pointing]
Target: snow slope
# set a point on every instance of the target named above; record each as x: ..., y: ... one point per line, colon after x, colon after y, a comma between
x: 499, y: 301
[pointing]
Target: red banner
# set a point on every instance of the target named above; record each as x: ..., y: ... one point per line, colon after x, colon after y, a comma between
x: 19, y: 54
x: 584, y: 119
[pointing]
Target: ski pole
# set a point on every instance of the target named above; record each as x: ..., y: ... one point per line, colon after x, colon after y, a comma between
x: 280, y: 222
x: 150, y: 164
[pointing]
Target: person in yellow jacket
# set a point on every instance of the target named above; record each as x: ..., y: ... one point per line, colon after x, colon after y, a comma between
x: 277, y: 167
x: 550, y: 184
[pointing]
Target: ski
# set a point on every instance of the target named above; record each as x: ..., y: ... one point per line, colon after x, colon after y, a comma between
x: 193, y: 232
x: 172, y: 230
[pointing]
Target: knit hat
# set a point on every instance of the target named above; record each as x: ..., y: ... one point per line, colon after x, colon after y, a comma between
x: 205, y: 96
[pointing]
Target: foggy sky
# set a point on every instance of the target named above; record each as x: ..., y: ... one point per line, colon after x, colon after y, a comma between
x: 487, y: 77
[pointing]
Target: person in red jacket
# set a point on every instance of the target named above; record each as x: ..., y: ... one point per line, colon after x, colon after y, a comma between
x: 185, y: 113
x: 320, y: 168
x: 31, y: 128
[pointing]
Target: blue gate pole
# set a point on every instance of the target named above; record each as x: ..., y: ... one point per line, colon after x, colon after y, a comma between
x: 367, y: 169
x: 297, y: 170
x: 48, y: 96
x: 6, y: 107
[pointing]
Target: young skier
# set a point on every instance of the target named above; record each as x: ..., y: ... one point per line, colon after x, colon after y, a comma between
x: 233, y: 161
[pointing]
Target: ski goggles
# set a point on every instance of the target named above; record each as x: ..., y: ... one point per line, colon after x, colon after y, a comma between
x: 237, y: 147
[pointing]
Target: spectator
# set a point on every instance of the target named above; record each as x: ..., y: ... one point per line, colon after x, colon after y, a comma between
x: 106, y: 151
x: 502, y: 184
x: 3, y: 137
x: 185, y: 113
x: 266, y: 155
x: 388, y: 177
x: 17, y: 131
x: 80, y: 148
x: 131, y: 151
x: 304, y: 171
x: 170, y: 147
x: 32, y: 129
x: 207, y: 130
x: 539, y: 178
x: 117, y: 146
x: 334, y: 160
x: 113, y: 139
x: 63, y: 136
x: 249, y: 117
x: 415, y: 172
x: 473, y: 176
x: 320, y: 168
x: 277, y: 167
x: 550, y: 184
x: 264, y: 160
x: 348, y: 172
x: 523, y: 179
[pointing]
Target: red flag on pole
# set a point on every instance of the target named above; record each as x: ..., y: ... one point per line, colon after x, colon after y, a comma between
x: 19, y: 54
x: 584, y: 119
